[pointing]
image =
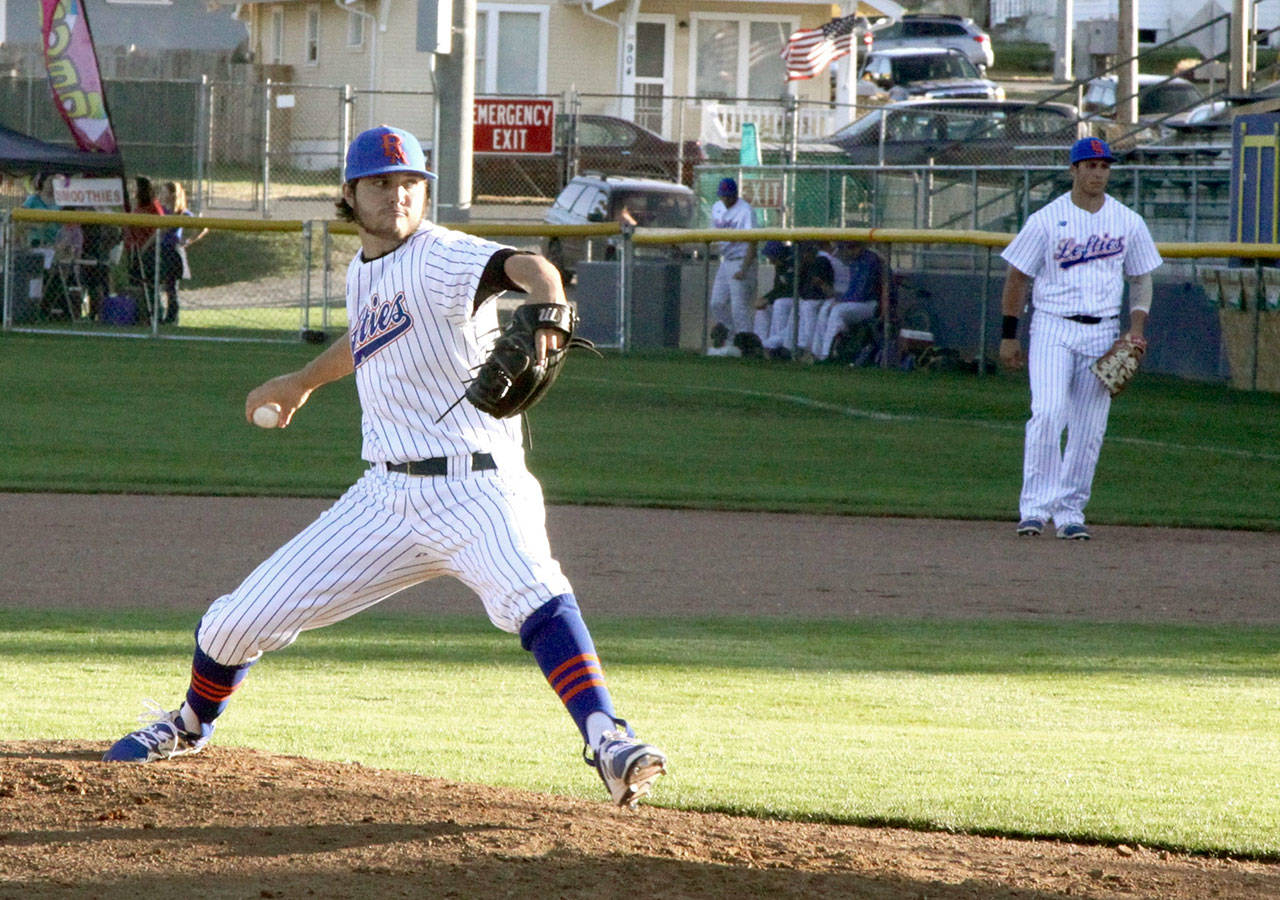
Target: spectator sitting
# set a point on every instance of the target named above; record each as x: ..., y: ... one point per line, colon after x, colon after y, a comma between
x: 96, y: 258
x: 866, y: 294
x: 837, y: 254
x: 779, y: 255
x: 814, y: 286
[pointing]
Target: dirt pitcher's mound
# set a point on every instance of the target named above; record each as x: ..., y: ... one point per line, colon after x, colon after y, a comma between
x: 236, y: 823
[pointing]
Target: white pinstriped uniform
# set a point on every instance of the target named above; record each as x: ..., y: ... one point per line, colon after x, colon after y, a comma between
x: 415, y: 340
x: 732, y: 301
x: 1079, y: 261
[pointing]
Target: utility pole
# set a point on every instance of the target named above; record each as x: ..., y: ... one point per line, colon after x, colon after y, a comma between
x: 456, y: 89
x: 1238, y: 58
x: 1127, y: 76
x: 1064, y: 61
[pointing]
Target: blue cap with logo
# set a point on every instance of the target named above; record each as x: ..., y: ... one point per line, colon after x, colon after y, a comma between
x: 728, y: 188
x: 385, y: 149
x: 1090, y: 148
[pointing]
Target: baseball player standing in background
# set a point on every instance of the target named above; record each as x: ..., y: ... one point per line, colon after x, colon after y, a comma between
x: 1080, y: 249
x: 447, y: 491
x: 733, y: 293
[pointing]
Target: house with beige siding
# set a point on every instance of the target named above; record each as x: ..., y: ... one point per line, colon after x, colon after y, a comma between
x: 683, y: 68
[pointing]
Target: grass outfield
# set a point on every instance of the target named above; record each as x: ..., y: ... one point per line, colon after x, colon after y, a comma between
x: 658, y: 429
x: 1166, y: 736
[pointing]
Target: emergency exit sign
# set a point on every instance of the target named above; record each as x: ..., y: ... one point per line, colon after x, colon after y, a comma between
x: 514, y: 126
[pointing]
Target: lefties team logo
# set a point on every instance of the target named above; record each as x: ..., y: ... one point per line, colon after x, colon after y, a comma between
x: 1070, y: 253
x: 380, y: 323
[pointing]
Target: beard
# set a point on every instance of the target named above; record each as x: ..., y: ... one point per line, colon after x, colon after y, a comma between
x: 390, y: 231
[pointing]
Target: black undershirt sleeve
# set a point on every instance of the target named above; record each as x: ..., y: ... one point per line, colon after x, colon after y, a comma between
x: 495, y: 280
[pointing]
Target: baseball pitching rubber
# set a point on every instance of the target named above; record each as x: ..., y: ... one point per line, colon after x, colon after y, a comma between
x: 267, y: 415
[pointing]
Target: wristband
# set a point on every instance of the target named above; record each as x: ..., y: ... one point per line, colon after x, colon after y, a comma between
x: 1009, y: 328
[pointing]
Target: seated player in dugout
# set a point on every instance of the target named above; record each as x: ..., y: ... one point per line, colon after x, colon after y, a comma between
x: 446, y: 492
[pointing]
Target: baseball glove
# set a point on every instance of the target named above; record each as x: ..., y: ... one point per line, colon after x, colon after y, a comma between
x: 1116, y: 368
x: 511, y: 380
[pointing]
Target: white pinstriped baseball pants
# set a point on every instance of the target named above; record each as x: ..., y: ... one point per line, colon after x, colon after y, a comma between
x: 387, y: 532
x: 1056, y: 481
x: 732, y: 300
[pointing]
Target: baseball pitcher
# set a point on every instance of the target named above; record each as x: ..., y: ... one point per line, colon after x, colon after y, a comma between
x: 446, y: 491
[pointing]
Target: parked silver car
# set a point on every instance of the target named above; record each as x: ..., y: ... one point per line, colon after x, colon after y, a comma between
x: 928, y: 72
x: 1158, y: 96
x: 936, y: 30
x: 644, y: 202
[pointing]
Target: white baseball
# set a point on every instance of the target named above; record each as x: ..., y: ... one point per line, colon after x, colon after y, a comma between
x: 267, y: 415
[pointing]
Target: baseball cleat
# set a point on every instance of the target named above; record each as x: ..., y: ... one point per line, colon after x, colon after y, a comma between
x: 1030, y: 527
x: 627, y: 766
x: 1074, y: 531
x: 163, y: 738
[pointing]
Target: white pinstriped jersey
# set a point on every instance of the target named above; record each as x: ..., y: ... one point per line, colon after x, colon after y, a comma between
x: 416, y: 342
x: 740, y: 215
x: 1079, y: 259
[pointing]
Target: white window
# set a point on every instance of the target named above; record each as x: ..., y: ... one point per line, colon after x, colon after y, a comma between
x: 737, y: 57
x: 355, y: 28
x: 313, y: 35
x: 511, y: 49
x: 276, y: 53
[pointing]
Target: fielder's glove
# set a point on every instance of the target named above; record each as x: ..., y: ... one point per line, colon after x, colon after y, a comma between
x: 511, y: 380
x: 1116, y: 368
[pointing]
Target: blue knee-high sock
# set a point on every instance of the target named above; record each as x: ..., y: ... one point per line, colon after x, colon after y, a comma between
x: 212, y: 685
x: 558, y: 639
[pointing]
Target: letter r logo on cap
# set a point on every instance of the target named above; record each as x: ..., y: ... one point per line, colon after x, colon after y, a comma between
x: 393, y: 149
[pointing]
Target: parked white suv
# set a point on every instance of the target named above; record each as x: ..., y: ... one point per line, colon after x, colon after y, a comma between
x: 936, y: 30
x: 939, y: 72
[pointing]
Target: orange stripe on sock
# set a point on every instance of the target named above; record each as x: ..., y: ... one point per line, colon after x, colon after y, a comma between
x: 584, y: 657
x: 209, y: 690
x: 594, y: 682
x: 573, y: 676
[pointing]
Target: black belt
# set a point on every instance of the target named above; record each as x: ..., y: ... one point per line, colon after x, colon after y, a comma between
x: 439, y: 465
x: 1091, y: 320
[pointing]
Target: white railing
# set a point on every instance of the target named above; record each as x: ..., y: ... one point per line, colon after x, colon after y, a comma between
x: 722, y: 122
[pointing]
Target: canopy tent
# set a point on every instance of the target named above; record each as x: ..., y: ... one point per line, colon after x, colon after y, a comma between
x: 21, y: 154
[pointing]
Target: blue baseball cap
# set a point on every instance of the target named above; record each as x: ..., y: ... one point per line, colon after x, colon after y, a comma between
x: 728, y: 188
x: 385, y: 149
x: 774, y: 249
x: 1090, y: 148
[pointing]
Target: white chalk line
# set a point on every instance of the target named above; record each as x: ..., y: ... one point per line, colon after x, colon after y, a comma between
x: 914, y: 418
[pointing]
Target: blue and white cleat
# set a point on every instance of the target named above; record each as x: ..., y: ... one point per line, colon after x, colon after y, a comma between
x: 627, y: 766
x: 1030, y: 527
x: 163, y: 738
x: 1074, y: 531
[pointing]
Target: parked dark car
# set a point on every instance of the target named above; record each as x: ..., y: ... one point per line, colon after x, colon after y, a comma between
x: 960, y: 132
x: 603, y: 144
x: 936, y: 30
x: 642, y: 202
x: 936, y: 72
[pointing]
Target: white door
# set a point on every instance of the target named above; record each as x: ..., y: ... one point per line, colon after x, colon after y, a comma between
x: 653, y: 72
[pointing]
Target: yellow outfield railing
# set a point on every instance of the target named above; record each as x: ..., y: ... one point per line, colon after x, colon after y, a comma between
x: 279, y: 279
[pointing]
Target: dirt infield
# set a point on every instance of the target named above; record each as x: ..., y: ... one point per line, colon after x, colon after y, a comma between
x: 245, y: 824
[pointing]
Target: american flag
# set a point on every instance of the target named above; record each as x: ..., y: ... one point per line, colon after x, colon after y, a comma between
x: 810, y: 50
